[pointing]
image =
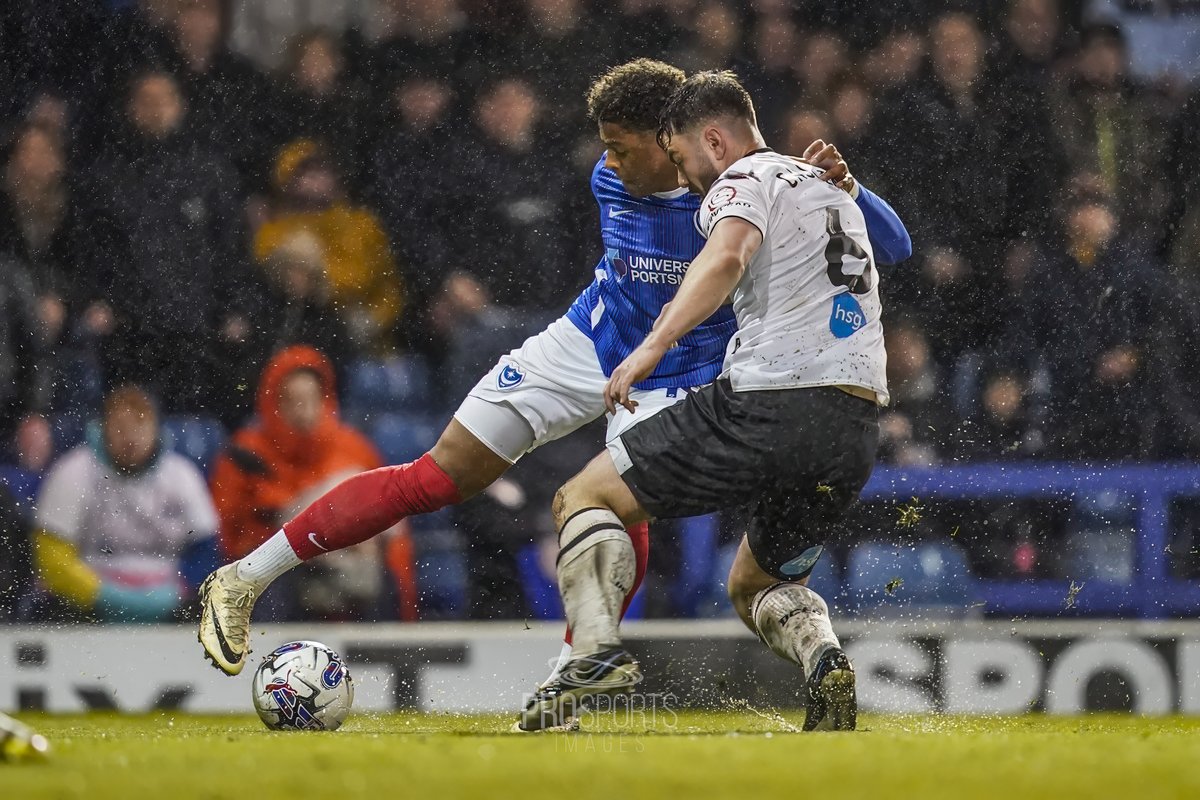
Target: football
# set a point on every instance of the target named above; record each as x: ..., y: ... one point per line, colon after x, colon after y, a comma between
x: 303, y: 686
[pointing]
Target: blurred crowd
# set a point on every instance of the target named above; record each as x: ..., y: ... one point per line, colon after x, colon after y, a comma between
x: 214, y: 211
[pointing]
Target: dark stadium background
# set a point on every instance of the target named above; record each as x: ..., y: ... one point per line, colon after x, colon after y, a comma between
x: 1044, y: 156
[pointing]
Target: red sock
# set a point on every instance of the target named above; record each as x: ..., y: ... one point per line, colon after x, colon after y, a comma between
x: 368, y: 504
x: 639, y: 534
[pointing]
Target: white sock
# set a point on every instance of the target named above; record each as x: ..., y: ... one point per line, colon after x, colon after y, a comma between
x: 793, y: 620
x: 564, y: 656
x: 596, y: 566
x: 271, y: 559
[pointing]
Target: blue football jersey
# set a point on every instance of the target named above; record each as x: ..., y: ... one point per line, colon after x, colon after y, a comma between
x: 649, y: 242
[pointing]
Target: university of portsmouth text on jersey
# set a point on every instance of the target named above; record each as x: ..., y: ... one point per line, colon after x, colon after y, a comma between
x: 648, y: 269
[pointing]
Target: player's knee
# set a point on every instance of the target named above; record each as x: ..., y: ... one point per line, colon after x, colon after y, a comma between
x: 562, y: 507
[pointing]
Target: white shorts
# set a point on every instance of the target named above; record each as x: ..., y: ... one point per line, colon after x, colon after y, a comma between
x: 548, y: 387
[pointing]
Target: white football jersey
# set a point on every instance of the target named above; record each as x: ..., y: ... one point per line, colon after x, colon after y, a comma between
x: 807, y: 305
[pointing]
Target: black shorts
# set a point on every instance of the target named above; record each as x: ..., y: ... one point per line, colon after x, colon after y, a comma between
x: 795, y: 458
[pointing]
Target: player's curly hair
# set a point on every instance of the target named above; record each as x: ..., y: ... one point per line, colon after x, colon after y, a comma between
x: 633, y: 94
x: 705, y: 95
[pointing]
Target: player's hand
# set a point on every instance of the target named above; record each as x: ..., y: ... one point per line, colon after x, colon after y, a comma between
x: 826, y: 156
x: 634, y: 369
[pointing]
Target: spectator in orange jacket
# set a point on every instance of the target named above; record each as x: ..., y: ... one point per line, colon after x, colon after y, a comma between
x: 295, y: 449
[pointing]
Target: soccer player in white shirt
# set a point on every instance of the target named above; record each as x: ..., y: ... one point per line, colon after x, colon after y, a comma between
x: 789, y: 429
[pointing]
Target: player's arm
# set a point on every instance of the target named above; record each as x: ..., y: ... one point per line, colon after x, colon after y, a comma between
x: 65, y: 574
x: 890, y: 241
x: 63, y: 571
x: 705, y: 288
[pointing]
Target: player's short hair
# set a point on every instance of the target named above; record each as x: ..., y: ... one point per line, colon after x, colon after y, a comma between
x: 633, y: 94
x: 704, y: 96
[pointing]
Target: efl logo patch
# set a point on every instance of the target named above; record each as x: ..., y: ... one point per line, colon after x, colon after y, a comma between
x: 509, y: 377
x: 847, y: 316
x: 720, y: 197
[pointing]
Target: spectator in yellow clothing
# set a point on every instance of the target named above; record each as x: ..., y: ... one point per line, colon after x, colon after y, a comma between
x: 124, y: 528
x: 361, y: 271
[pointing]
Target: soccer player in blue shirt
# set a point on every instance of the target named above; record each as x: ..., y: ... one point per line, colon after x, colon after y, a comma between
x: 554, y: 383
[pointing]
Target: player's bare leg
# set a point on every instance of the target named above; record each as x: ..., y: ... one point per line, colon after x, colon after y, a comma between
x: 596, y: 568
x: 458, y: 467
x: 793, y: 621
x: 470, y: 464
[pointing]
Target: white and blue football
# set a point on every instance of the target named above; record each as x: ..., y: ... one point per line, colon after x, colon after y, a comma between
x: 303, y: 686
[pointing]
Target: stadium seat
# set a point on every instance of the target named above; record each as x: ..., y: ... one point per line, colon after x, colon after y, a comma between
x: 441, y: 574
x: 22, y: 485
x: 826, y: 580
x: 697, y: 560
x: 198, y: 438
x: 401, y: 437
x: 1100, y: 544
x: 440, y: 520
x: 965, y: 379
x: 931, y: 578
x: 396, y: 383
x: 541, y: 590
x: 945, y: 575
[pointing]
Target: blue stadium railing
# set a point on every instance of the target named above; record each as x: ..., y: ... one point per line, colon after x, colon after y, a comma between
x: 1151, y: 593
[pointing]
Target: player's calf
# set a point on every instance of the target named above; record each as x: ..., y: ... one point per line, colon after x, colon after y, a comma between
x: 596, y: 569
x: 597, y: 562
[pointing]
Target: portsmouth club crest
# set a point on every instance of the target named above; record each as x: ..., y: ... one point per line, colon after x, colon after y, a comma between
x: 618, y: 264
x: 509, y: 377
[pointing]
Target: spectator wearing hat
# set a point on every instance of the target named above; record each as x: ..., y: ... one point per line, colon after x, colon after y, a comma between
x: 363, y: 281
x: 295, y: 449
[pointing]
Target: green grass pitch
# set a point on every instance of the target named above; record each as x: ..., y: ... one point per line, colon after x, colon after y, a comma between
x: 702, y: 754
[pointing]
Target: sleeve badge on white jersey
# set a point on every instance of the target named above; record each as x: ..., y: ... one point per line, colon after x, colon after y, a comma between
x: 721, y: 197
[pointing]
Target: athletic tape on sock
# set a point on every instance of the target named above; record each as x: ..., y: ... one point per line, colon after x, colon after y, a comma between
x: 596, y: 569
x: 793, y: 621
x: 588, y: 528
